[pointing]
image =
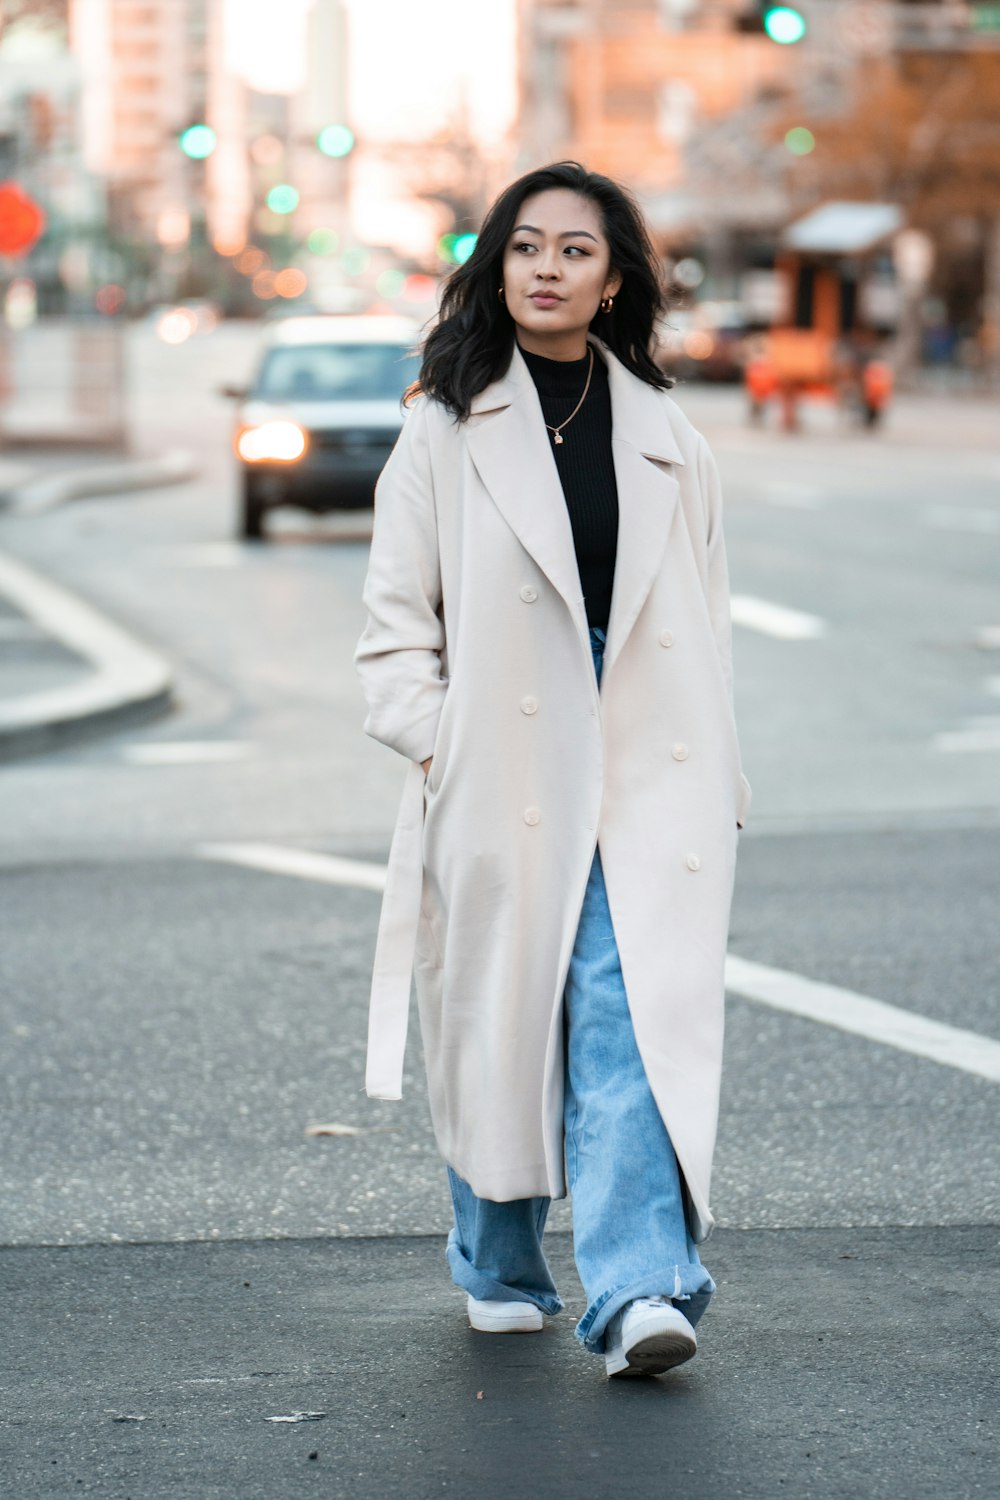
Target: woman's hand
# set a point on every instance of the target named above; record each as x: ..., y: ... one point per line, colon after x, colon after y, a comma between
x: 426, y: 764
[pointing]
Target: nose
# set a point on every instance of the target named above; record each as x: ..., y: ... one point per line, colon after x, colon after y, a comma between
x: 547, y: 265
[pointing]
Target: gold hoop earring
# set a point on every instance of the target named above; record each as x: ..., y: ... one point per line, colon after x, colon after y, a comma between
x: 500, y: 291
x: 607, y: 303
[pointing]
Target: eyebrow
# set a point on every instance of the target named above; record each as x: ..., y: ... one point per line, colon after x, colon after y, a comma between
x: 567, y: 234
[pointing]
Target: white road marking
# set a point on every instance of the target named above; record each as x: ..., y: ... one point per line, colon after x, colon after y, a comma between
x: 955, y: 518
x: 210, y: 555
x: 301, y: 863
x: 977, y: 734
x: 889, y: 1025
x: 775, y: 619
x: 791, y: 495
x: 186, y: 752
x: 874, y: 1019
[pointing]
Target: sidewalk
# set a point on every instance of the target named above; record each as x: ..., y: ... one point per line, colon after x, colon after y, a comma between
x: 835, y: 1364
x: 65, y: 670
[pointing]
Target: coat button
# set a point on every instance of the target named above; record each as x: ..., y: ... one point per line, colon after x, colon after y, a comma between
x: 680, y: 751
x: 666, y: 638
x: 532, y: 816
x: 693, y: 862
x: 529, y: 705
x: 528, y: 593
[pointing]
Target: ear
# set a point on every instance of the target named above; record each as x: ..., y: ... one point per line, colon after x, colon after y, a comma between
x: 613, y: 284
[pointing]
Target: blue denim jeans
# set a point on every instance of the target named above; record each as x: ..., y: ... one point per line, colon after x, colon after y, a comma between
x: 630, y: 1233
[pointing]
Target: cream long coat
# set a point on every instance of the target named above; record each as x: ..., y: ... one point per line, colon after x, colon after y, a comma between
x: 477, y: 652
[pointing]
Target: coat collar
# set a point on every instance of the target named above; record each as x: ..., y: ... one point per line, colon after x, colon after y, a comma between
x: 511, y: 449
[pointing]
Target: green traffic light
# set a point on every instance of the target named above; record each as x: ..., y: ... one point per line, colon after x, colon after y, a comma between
x: 335, y: 140
x: 784, y: 24
x: 197, y: 141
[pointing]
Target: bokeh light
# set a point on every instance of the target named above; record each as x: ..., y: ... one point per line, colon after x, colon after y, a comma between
x: 390, y: 283
x: 251, y: 261
x: 800, y: 141
x: 419, y: 288
x: 198, y: 141
x: 784, y: 24
x: 262, y: 286
x: 463, y: 248
x: 291, y: 282
x: 322, y: 241
x: 283, y: 199
x: 335, y: 140
x: 110, y: 299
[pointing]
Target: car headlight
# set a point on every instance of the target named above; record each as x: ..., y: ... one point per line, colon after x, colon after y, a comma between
x: 280, y: 441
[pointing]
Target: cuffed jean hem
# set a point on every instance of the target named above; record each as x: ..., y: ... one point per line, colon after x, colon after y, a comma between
x: 592, y: 1326
x: 487, y: 1289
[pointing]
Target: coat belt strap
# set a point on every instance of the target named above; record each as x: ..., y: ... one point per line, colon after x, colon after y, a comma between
x: 389, y: 1008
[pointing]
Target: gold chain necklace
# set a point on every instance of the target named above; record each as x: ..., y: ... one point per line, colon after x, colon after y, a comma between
x: 556, y: 432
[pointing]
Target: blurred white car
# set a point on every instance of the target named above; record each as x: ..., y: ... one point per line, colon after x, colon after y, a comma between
x: 322, y: 414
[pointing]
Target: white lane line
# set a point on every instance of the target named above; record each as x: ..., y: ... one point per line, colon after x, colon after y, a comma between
x: 954, y: 518
x: 778, y: 988
x: 209, y: 555
x: 775, y: 619
x: 277, y: 860
x: 978, y: 734
x: 186, y: 752
x: 791, y: 495
x: 873, y: 1019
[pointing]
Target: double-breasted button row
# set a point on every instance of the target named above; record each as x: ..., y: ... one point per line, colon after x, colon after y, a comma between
x: 532, y: 816
x: 529, y: 705
x: 528, y: 593
x: 666, y: 638
x: 693, y: 863
x: 680, y: 751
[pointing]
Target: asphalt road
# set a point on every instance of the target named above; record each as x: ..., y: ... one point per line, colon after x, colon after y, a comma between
x: 175, y: 1024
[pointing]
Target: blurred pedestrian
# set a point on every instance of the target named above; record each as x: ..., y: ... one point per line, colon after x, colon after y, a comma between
x: 548, y: 643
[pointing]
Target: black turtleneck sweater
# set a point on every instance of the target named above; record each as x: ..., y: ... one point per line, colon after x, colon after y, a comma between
x: 586, y: 469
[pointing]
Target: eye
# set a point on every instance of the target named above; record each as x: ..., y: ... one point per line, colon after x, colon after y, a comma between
x: 522, y: 245
x: 578, y: 248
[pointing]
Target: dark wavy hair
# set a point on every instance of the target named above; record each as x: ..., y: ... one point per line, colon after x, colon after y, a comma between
x: 472, y: 342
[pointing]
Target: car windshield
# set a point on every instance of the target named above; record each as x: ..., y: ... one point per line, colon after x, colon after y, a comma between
x: 337, y: 372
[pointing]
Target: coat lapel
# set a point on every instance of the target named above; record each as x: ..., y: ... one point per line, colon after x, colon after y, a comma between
x: 644, y: 450
x: 511, y: 449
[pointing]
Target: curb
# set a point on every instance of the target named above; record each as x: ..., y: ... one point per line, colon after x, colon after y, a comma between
x: 127, y: 682
x: 34, y: 496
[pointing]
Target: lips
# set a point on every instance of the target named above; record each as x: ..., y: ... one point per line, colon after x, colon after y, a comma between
x: 545, y: 299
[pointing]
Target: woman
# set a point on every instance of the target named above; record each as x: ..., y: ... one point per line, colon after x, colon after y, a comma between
x: 548, y: 643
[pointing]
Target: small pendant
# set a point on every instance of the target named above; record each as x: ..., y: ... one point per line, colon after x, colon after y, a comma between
x: 557, y: 437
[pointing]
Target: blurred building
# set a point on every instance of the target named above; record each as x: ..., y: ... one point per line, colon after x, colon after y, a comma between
x: 626, y: 86
x: 143, y: 71
x: 727, y: 132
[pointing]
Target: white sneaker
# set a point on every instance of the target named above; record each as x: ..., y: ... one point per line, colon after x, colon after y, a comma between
x: 504, y: 1317
x: 646, y: 1337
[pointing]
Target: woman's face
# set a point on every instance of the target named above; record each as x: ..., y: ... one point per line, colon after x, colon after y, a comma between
x: 556, y: 270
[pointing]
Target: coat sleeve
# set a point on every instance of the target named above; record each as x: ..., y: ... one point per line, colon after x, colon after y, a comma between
x: 718, y: 586
x: 398, y: 657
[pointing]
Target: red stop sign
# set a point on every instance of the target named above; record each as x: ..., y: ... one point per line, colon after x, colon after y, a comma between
x: 22, y: 221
